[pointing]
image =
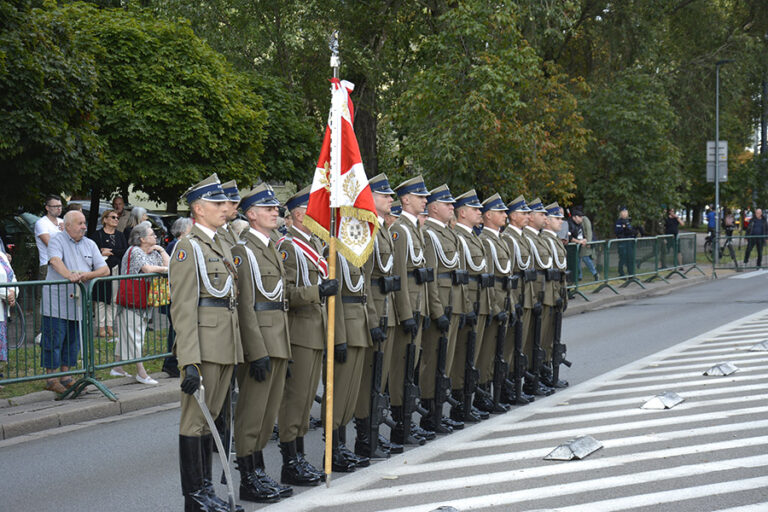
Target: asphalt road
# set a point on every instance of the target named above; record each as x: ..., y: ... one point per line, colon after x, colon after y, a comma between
x: 131, y: 464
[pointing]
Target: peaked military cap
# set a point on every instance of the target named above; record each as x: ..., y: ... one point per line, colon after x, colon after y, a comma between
x: 441, y: 194
x: 208, y: 190
x: 380, y: 184
x: 412, y: 186
x: 494, y: 204
x: 468, y: 198
x: 262, y: 195
x: 230, y: 189
x: 518, y: 204
x: 300, y: 198
x: 554, y: 210
x: 396, y: 209
x: 537, y: 206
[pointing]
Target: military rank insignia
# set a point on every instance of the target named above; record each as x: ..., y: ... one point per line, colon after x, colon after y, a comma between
x: 237, y: 260
x: 181, y: 255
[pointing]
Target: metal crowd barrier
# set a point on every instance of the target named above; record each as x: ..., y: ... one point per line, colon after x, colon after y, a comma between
x: 629, y: 261
x: 734, y: 249
x: 137, y: 334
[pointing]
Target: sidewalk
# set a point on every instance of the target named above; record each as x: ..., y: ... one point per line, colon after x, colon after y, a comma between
x: 40, y: 411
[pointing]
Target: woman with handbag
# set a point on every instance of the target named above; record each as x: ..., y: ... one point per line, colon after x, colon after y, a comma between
x: 112, y: 245
x: 144, y: 255
x: 7, y: 301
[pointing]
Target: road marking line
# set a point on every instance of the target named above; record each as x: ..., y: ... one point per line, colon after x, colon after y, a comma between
x: 664, y: 497
x: 755, y: 507
x: 714, y: 382
x: 507, y: 498
x: 657, y: 378
x: 509, y: 456
x: 742, y: 364
x: 549, y: 470
x: 750, y: 275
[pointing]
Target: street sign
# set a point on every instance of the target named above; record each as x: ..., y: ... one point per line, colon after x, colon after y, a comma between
x: 722, y: 152
x: 722, y: 170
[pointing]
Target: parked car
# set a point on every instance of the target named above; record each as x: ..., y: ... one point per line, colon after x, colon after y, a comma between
x: 18, y: 233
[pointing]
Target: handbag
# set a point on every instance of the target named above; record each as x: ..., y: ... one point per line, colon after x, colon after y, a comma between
x: 132, y: 293
x: 159, y: 293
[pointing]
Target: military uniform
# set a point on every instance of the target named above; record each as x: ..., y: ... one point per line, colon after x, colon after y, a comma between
x: 410, y: 303
x: 557, y: 283
x: 520, y: 256
x: 381, y: 313
x: 447, y: 297
x: 478, y: 304
x: 203, y: 295
x: 305, y: 270
x: 538, y: 293
x: 500, y: 265
x: 264, y: 330
x: 226, y: 231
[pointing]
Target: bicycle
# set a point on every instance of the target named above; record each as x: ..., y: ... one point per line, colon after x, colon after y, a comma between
x: 723, y: 256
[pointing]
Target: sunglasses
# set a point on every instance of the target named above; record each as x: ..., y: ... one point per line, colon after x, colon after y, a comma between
x: 113, y: 217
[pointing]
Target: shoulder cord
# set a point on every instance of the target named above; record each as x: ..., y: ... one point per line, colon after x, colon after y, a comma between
x: 522, y: 265
x: 275, y: 295
x: 495, y: 255
x: 383, y: 268
x: 468, y: 257
x: 535, y: 253
x: 228, y: 289
x: 560, y: 264
x: 354, y: 288
x: 440, y: 254
x: 409, y: 242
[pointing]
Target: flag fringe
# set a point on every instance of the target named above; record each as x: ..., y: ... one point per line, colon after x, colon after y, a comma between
x: 357, y: 260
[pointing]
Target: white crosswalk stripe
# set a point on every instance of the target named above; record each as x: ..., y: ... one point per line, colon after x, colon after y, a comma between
x: 708, y: 453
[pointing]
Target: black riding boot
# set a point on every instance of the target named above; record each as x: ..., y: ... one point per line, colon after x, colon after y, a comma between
x: 251, y: 487
x: 258, y: 468
x: 363, y: 441
x: 339, y: 462
x: 358, y: 460
x: 458, y: 412
x: 432, y: 421
x: 207, y: 449
x: 196, y: 498
x: 293, y: 471
x: 303, y: 460
x: 402, y: 433
x: 389, y: 445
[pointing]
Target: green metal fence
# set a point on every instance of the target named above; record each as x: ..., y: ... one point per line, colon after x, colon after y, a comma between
x: 623, y: 262
x: 136, y: 335
x: 737, y: 252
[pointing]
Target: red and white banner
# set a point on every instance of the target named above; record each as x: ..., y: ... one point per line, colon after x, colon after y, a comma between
x: 340, y: 182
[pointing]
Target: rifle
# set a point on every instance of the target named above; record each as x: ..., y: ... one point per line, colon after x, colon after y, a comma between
x: 379, y: 402
x: 442, y: 381
x: 410, y: 389
x: 558, y: 349
x: 538, y: 352
x: 500, y: 366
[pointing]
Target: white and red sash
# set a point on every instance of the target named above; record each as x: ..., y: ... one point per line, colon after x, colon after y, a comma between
x: 311, y: 254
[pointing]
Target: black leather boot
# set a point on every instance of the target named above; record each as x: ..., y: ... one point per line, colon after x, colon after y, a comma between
x: 293, y: 472
x: 402, y: 434
x: 390, y: 446
x: 304, y: 462
x: 207, y: 449
x: 432, y: 421
x: 251, y: 487
x: 339, y: 462
x: 458, y: 412
x: 363, y: 441
x: 196, y: 498
x: 358, y: 460
x: 258, y: 467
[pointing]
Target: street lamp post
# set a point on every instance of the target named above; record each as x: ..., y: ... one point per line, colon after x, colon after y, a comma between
x: 716, y: 244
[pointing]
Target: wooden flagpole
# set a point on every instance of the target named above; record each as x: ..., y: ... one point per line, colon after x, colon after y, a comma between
x: 330, y: 344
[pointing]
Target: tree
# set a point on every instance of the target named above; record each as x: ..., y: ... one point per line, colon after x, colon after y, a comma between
x: 631, y: 159
x: 482, y: 110
x: 48, y: 91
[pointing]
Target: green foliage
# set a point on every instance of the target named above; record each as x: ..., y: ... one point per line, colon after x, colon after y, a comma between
x: 47, y: 96
x: 483, y: 111
x: 631, y: 159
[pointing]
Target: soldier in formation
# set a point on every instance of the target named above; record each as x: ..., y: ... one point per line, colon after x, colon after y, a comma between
x: 438, y: 315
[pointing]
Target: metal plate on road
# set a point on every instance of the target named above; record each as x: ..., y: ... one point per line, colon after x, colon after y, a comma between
x: 665, y: 400
x: 721, y: 370
x: 578, y: 448
x: 759, y: 347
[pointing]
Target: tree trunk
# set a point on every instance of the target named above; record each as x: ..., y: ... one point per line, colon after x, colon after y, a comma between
x: 696, y: 220
x: 93, y: 217
x: 366, y: 125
